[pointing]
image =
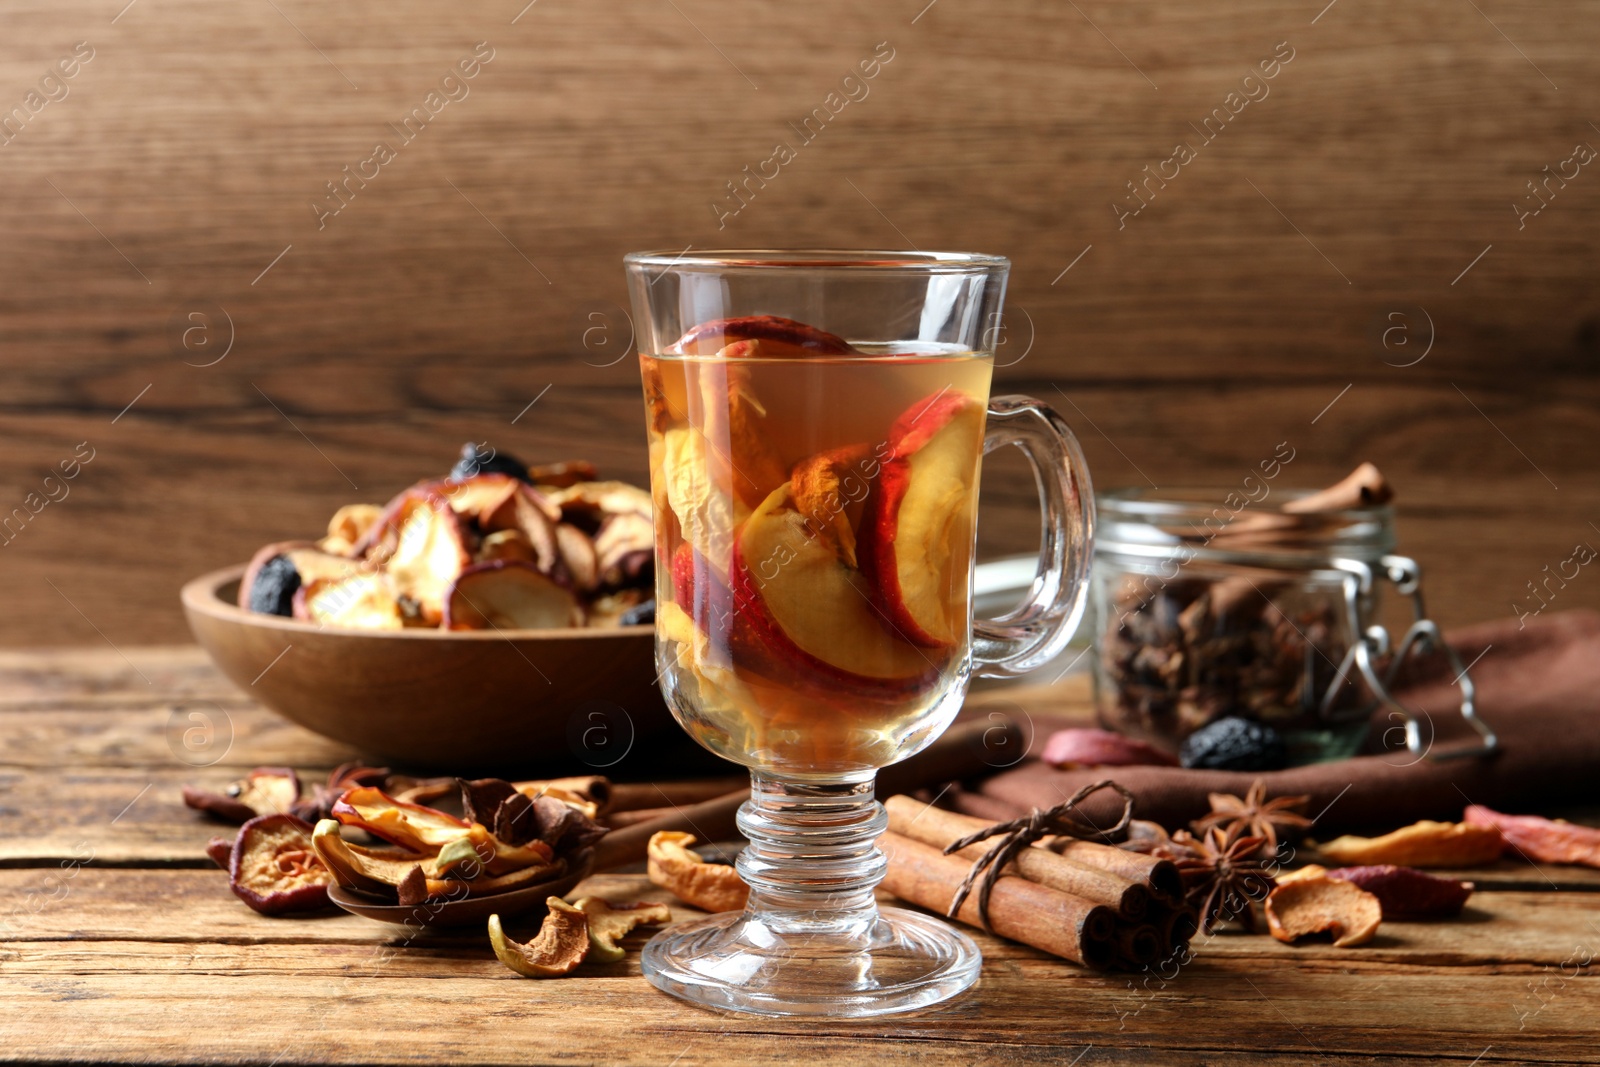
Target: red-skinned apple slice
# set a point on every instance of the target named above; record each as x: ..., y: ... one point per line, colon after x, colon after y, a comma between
x: 779, y: 337
x: 915, y: 539
x: 509, y: 595
x: 810, y: 612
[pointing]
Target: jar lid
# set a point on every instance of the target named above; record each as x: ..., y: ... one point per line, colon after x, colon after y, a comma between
x: 1227, y: 524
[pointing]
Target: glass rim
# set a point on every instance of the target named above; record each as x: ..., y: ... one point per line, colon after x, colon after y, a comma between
x: 883, y: 261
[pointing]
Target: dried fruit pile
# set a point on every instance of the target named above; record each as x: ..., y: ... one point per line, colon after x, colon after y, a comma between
x: 496, y: 545
x: 509, y: 835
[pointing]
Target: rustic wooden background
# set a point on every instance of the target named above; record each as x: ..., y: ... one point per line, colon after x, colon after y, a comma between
x: 1376, y: 179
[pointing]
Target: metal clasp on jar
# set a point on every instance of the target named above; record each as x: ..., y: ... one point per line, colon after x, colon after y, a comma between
x: 1421, y: 638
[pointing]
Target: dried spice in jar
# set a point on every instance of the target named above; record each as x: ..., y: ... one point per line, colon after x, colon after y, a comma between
x: 1210, y: 605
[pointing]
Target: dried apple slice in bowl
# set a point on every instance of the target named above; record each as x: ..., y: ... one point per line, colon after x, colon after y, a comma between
x: 509, y: 595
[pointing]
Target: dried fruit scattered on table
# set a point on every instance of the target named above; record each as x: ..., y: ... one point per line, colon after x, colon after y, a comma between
x: 1152, y: 839
x: 561, y: 945
x: 1542, y: 840
x: 590, y: 793
x: 412, y: 826
x: 274, y: 868
x: 1222, y: 876
x: 220, y: 850
x: 1234, y: 744
x: 610, y: 923
x: 1087, y: 747
x: 1256, y: 816
x: 1407, y: 893
x: 264, y: 791
x: 1422, y: 844
x: 342, y: 779
x: 1320, y: 904
x: 683, y: 873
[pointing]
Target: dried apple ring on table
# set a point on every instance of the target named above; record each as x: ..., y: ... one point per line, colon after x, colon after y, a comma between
x: 683, y: 873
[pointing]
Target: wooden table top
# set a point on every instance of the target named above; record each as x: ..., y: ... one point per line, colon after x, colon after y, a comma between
x: 119, y: 942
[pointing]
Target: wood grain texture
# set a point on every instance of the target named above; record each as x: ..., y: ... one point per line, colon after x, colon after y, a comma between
x: 142, y: 954
x: 457, y: 284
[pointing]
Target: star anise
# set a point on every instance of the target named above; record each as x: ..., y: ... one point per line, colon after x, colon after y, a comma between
x: 1256, y: 816
x: 1152, y: 839
x: 343, y: 777
x: 1223, y: 876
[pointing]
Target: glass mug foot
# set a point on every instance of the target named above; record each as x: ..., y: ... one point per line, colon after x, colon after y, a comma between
x: 899, y: 961
x: 812, y: 939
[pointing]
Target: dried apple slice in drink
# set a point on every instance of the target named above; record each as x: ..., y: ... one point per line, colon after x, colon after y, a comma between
x: 779, y: 337
x: 825, y: 487
x: 729, y: 415
x: 509, y: 595
x: 705, y: 510
x: 915, y: 539
x: 810, y: 612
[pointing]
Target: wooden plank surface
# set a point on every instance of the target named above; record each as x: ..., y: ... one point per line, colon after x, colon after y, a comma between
x: 143, y: 955
x: 1232, y: 313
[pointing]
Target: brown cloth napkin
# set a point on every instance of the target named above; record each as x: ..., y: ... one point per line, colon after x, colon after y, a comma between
x: 1538, y: 687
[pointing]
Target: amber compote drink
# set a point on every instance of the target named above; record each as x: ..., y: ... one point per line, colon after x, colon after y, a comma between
x: 816, y: 489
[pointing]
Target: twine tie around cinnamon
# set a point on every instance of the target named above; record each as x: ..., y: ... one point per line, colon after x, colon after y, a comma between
x: 1021, y: 833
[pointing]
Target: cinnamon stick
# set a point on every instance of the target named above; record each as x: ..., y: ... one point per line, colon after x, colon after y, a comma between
x: 1047, y: 919
x: 1363, y: 487
x: 1138, y: 946
x: 595, y: 788
x: 1159, y: 876
x: 631, y: 796
x: 934, y: 826
x: 962, y: 752
x: 616, y: 820
x: 709, y: 820
x: 1177, y: 926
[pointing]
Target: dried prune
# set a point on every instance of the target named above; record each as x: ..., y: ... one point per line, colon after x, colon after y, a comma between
x: 1235, y: 744
x: 475, y: 461
x: 273, y: 591
x: 639, y: 614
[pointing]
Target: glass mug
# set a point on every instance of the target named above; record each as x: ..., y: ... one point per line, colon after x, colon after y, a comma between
x: 817, y: 421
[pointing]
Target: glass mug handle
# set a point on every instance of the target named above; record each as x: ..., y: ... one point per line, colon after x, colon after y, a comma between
x: 1035, y: 632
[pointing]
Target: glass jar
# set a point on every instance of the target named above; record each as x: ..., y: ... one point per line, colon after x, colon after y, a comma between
x: 1204, y: 610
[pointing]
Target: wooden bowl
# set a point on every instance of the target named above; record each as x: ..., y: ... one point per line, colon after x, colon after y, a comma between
x: 451, y: 701
x: 469, y: 911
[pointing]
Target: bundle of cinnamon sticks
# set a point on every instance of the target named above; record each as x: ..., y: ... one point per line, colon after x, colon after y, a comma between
x: 1093, y: 904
